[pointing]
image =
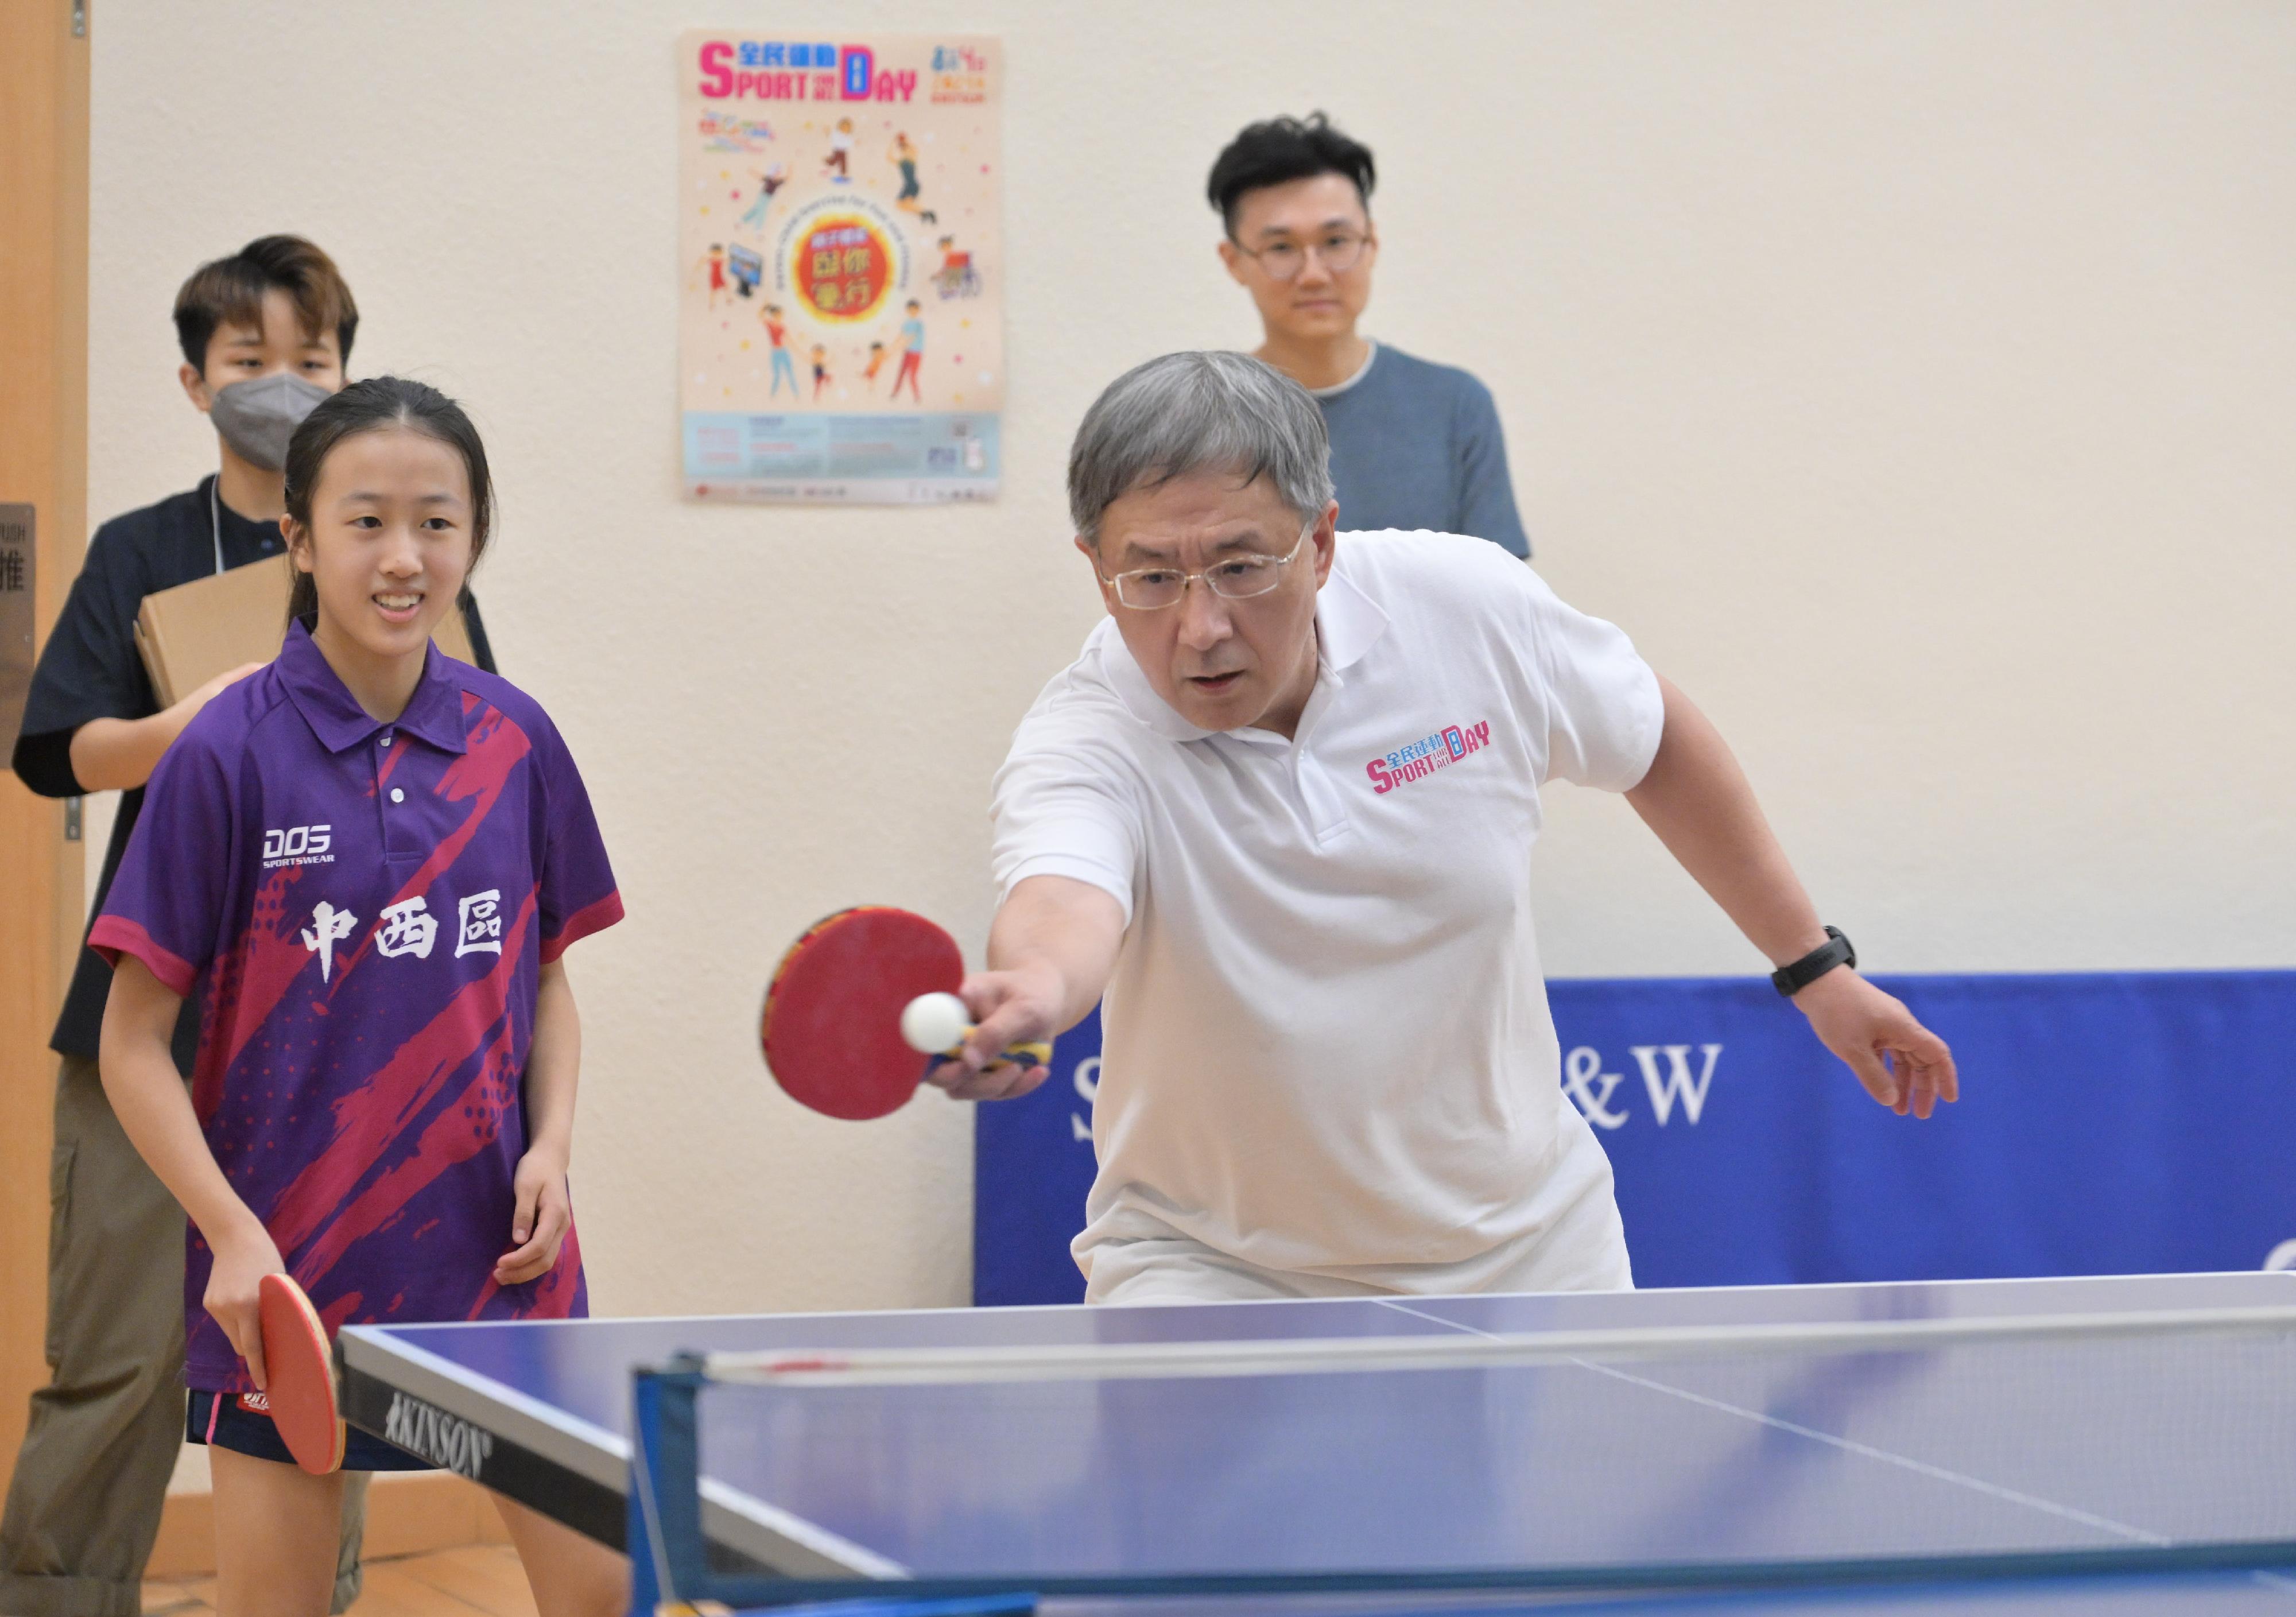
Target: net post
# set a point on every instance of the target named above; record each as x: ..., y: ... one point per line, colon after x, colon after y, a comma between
x: 669, y: 1557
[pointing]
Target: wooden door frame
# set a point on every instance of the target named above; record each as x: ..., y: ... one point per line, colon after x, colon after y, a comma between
x: 44, y: 147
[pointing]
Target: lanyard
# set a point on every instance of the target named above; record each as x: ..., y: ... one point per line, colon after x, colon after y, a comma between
x: 214, y: 519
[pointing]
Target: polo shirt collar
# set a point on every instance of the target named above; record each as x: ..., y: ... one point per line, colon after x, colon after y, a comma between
x: 1348, y: 624
x: 1139, y: 698
x: 434, y: 713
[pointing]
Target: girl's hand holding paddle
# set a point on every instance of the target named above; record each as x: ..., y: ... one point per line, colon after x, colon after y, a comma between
x: 243, y: 1256
x: 544, y: 1216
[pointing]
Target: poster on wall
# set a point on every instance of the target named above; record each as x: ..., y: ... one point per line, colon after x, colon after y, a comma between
x: 840, y: 333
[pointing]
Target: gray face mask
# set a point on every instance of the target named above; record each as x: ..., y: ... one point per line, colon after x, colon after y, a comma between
x: 257, y: 416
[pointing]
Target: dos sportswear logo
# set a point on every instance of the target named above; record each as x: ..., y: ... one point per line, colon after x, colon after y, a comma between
x: 298, y: 845
x: 1423, y: 757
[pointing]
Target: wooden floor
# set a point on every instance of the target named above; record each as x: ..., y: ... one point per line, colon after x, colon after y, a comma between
x: 444, y: 1584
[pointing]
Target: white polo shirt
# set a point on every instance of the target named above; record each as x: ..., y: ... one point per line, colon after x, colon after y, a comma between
x: 1326, y: 1046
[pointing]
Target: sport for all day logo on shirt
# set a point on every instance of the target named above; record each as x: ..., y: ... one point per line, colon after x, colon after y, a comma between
x: 1423, y: 757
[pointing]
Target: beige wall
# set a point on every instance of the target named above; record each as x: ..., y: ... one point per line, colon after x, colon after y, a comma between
x: 1914, y: 380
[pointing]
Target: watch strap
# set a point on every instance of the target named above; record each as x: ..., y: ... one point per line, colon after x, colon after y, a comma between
x: 1793, y: 977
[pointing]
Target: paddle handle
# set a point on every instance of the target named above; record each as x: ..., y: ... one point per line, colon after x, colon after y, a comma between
x: 1037, y: 1052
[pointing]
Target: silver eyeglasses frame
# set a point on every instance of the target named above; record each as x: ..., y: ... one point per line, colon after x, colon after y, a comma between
x: 1274, y: 574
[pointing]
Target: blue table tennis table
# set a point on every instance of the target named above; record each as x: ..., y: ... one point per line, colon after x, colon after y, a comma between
x: 2002, y: 1446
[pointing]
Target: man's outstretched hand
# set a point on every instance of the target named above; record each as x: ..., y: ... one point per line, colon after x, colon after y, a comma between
x: 1010, y: 1008
x: 1902, y: 1063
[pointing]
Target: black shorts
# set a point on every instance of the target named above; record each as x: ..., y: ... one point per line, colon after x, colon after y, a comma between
x: 223, y: 1420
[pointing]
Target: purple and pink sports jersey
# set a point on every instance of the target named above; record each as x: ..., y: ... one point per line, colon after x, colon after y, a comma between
x: 364, y: 908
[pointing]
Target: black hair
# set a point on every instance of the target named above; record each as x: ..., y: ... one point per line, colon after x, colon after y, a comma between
x: 373, y: 406
x: 230, y: 290
x: 1284, y: 148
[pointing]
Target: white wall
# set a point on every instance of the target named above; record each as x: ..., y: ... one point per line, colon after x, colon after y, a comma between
x: 1914, y: 380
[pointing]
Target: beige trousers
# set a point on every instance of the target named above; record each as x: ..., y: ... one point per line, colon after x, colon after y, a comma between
x: 1577, y: 1243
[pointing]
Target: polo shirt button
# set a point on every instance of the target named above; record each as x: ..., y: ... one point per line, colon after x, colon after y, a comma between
x: 386, y: 738
x: 398, y: 795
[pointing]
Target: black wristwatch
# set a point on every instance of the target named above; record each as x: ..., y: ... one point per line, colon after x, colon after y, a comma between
x: 1836, y: 950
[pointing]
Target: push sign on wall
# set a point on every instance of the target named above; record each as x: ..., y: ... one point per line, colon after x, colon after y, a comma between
x: 16, y: 560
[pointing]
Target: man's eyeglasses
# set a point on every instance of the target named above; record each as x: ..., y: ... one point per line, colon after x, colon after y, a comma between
x: 1285, y: 260
x: 1148, y: 589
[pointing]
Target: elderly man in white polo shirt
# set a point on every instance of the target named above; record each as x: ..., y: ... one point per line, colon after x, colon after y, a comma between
x: 1279, y: 815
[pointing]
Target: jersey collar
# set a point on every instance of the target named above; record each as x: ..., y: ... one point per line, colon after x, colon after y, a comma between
x: 434, y: 713
x: 1348, y: 624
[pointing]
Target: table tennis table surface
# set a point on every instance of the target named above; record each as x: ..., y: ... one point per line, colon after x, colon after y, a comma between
x: 2063, y: 1469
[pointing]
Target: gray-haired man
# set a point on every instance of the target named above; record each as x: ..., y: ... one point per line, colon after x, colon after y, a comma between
x: 1280, y: 815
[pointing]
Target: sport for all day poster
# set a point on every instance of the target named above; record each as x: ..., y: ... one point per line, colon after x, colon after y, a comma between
x: 840, y: 332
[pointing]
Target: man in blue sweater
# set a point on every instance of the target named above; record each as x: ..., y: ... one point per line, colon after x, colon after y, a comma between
x: 1414, y: 444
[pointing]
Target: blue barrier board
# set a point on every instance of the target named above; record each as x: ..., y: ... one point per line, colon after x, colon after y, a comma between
x: 2110, y: 1123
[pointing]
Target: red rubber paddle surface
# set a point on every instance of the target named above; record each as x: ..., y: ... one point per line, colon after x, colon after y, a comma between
x: 831, y: 1027
x: 301, y: 1373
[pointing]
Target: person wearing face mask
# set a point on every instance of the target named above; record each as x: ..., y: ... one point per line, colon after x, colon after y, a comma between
x: 265, y: 334
x: 1415, y: 445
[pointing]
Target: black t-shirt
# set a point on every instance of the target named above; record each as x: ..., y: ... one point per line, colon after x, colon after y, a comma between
x: 90, y: 668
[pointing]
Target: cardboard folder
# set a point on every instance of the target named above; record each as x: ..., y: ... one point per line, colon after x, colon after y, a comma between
x: 190, y: 633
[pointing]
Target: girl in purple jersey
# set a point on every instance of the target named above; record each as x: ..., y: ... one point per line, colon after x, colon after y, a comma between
x: 366, y: 864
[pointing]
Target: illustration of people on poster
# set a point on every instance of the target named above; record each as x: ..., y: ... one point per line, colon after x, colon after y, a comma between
x: 840, y: 329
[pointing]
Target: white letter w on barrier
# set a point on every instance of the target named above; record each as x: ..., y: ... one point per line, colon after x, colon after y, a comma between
x: 1677, y: 1084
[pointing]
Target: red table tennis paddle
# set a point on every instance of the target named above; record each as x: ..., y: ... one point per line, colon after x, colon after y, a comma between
x: 301, y: 1370
x: 832, y: 1023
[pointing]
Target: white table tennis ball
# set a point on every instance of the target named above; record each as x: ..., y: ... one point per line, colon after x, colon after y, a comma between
x: 935, y: 1022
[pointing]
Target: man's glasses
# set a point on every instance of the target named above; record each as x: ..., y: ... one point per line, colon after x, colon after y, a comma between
x: 1283, y: 261
x: 1148, y: 589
